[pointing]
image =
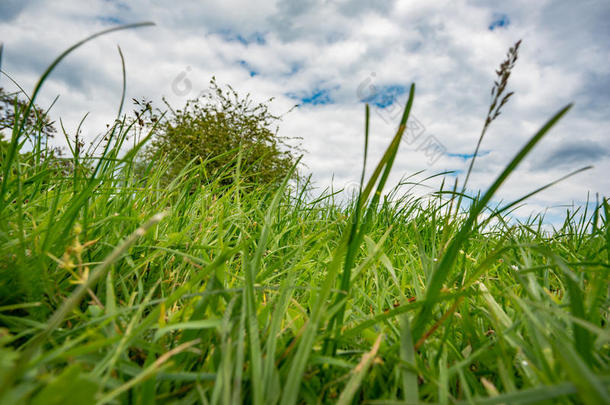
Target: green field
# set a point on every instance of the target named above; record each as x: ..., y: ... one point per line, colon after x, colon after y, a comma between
x: 117, y: 287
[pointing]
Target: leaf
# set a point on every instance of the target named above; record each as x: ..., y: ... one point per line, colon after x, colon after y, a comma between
x: 358, y: 374
x: 200, y: 324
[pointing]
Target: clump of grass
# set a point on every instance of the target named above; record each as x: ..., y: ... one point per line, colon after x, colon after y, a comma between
x: 266, y: 295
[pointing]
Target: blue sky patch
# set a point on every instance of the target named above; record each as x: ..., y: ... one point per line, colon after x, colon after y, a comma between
x: 500, y: 21
x: 316, y: 97
x: 295, y: 68
x: 454, y: 172
x: 108, y: 19
x: 118, y: 4
x: 384, y: 96
x: 249, y: 68
x: 231, y: 36
x: 466, y: 156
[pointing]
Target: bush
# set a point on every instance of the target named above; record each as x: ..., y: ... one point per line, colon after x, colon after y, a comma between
x: 213, y: 130
x: 37, y: 120
x: 38, y: 129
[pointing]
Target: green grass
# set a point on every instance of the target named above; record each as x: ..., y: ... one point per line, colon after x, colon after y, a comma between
x: 118, y: 288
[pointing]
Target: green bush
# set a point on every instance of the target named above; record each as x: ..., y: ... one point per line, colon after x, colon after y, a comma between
x: 37, y: 120
x: 38, y: 129
x: 220, y: 130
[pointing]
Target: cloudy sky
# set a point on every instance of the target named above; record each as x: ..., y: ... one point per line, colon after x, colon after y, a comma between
x: 329, y: 56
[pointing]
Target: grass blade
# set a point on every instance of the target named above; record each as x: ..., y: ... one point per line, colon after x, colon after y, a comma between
x: 443, y: 269
x: 358, y: 374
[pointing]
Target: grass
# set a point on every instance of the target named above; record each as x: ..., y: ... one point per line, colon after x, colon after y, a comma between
x: 118, y: 288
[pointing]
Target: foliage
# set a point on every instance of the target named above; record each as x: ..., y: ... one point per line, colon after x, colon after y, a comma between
x: 37, y: 120
x: 215, y: 128
x: 38, y: 129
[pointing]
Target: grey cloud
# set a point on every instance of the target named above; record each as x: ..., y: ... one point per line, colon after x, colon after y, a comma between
x: 355, y: 7
x: 76, y: 71
x: 578, y: 35
x: 27, y: 56
x: 594, y: 96
x: 573, y: 153
x: 572, y: 17
x: 10, y: 9
x: 302, y: 20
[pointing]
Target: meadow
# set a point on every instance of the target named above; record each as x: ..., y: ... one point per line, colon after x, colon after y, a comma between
x: 117, y: 287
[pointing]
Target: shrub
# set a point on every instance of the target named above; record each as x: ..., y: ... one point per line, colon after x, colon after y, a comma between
x: 37, y: 130
x: 213, y: 130
x: 37, y: 120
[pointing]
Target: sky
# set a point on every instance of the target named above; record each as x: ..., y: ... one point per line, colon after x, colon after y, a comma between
x: 329, y: 57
